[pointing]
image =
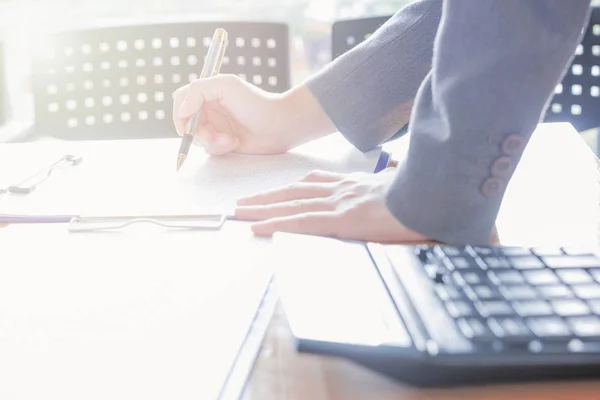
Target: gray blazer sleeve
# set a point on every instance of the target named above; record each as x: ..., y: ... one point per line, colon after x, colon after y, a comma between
x: 369, y: 92
x: 495, y: 66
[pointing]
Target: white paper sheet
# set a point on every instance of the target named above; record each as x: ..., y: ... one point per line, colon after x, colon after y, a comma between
x: 141, y: 314
x: 140, y: 177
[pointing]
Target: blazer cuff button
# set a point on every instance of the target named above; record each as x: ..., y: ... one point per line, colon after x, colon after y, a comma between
x: 492, y: 187
x: 513, y: 145
x: 502, y: 167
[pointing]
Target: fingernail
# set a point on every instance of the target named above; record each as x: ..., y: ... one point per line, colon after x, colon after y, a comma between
x: 262, y: 229
x: 183, y: 111
x: 241, y: 213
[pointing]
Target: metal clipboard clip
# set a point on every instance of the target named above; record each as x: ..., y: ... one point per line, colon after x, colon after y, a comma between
x: 30, y: 184
x: 195, y: 222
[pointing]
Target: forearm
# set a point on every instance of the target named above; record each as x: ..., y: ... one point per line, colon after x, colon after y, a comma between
x: 496, y: 64
x: 301, y: 117
x: 368, y: 92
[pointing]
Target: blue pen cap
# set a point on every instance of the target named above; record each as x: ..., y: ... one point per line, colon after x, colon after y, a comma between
x: 385, y: 161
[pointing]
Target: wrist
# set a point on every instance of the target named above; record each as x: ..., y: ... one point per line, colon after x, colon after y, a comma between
x: 300, y: 117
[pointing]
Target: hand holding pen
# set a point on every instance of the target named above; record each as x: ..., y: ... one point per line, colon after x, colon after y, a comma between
x: 211, y: 68
x: 225, y: 114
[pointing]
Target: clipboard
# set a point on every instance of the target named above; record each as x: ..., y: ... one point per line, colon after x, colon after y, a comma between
x: 195, y: 222
x: 29, y: 184
x: 105, y: 223
x: 153, y: 282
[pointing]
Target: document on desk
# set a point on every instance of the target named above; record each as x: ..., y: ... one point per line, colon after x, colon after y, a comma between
x: 138, y: 314
x: 139, y: 176
x: 142, y: 312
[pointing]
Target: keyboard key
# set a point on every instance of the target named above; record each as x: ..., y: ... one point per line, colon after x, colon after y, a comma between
x: 474, y: 329
x: 587, y: 291
x: 508, y: 277
x: 574, y: 276
x: 547, y: 251
x: 594, y: 306
x: 540, y: 277
x: 436, y: 273
x: 483, y: 292
x: 461, y: 263
x: 423, y: 253
x: 549, y: 328
x: 570, y: 308
x: 481, y: 250
x: 515, y: 251
x: 487, y: 292
x: 554, y: 291
x: 432, y: 269
x: 469, y: 278
x: 518, y: 292
x: 572, y: 262
x: 579, y: 251
x: 460, y: 309
x: 450, y: 251
x: 595, y: 274
x: 526, y: 262
x: 494, y: 308
x: 448, y: 292
x: 510, y: 329
x: 532, y: 308
x: 586, y: 327
x: 496, y: 262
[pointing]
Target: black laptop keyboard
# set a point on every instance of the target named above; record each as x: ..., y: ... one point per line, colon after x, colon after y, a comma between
x: 518, y: 296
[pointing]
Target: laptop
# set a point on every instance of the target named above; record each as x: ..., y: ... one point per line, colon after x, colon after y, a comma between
x: 435, y: 315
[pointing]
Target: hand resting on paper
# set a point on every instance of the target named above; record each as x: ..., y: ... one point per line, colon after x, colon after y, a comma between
x: 236, y: 116
x: 345, y: 206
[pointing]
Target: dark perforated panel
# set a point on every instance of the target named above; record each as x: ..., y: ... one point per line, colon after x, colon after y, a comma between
x: 577, y: 98
x: 116, y: 83
x: 345, y: 35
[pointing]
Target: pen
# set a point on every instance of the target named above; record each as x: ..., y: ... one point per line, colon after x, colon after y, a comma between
x: 35, y: 219
x: 211, y: 67
x: 385, y: 161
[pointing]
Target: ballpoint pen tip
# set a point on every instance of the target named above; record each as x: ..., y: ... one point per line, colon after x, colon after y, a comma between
x: 180, y: 161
